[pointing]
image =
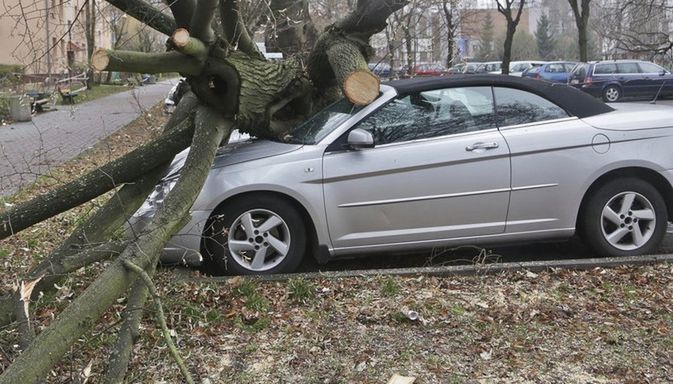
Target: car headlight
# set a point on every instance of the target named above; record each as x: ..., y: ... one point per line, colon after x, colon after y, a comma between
x: 156, y: 198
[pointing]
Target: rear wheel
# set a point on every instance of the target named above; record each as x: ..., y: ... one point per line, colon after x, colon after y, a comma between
x: 624, y: 217
x: 612, y: 93
x: 257, y: 235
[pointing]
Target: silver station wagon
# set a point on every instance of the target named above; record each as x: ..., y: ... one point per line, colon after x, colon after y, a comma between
x: 481, y: 159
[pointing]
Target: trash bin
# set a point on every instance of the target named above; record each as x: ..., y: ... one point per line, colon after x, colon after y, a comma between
x: 19, y: 108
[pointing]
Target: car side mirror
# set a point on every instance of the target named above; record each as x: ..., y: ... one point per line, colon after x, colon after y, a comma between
x: 360, y: 139
x: 662, y: 73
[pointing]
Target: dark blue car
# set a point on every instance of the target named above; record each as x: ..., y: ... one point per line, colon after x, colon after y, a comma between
x: 613, y: 80
x: 556, y: 71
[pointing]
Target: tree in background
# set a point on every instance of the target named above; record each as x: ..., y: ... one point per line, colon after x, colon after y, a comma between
x: 581, y: 10
x: 640, y: 27
x: 457, y: 19
x: 407, y: 20
x: 524, y: 46
x: 486, y: 40
x: 513, y: 16
x: 546, y: 43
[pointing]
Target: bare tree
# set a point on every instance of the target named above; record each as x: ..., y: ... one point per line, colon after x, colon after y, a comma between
x: 636, y: 27
x: 407, y: 21
x: 581, y: 10
x: 458, y: 18
x: 232, y: 86
x: 513, y: 16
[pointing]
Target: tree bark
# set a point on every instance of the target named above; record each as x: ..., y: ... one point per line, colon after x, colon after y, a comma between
x: 148, y: 14
x: 141, y: 62
x: 581, y: 10
x: 358, y: 84
x: 128, y: 333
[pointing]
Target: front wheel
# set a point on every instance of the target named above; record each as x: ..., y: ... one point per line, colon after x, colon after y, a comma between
x: 257, y: 235
x: 612, y: 94
x: 624, y: 217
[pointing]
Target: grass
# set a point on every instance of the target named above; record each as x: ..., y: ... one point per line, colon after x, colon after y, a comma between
x: 390, y: 287
x: 300, y: 290
x: 96, y: 92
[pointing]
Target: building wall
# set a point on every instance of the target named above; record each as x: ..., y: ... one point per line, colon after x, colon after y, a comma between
x: 41, y: 43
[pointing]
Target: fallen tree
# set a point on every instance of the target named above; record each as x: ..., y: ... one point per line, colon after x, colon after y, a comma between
x: 232, y: 86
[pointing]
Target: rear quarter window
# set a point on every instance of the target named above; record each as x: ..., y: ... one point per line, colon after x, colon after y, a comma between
x: 650, y: 68
x: 605, y: 69
x: 515, y: 107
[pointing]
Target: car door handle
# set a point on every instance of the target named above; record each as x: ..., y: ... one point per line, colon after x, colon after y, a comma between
x: 476, y: 146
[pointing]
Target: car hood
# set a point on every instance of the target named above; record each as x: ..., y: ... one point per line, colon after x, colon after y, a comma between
x: 633, y: 116
x: 237, y: 152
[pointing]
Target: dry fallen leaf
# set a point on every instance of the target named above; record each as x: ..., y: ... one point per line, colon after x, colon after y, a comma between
x: 397, y: 379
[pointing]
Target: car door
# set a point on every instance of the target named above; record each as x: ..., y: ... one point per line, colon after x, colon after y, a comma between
x: 634, y: 83
x: 439, y: 170
x: 546, y: 146
x: 654, y: 78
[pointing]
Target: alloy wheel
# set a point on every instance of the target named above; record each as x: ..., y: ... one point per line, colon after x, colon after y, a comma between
x: 628, y: 221
x: 258, y: 240
x: 612, y: 94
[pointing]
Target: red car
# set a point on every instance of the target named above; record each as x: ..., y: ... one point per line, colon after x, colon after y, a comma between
x: 429, y: 70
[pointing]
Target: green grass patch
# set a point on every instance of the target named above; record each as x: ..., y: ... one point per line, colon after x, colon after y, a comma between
x: 390, y: 287
x: 253, y: 300
x: 300, y: 290
x: 94, y: 93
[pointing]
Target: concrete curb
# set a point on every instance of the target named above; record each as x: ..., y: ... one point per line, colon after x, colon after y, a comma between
x: 466, y: 270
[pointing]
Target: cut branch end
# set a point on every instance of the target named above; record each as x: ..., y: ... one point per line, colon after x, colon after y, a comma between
x: 100, y: 59
x: 361, y: 87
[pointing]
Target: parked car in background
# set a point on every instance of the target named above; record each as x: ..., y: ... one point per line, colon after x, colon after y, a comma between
x: 456, y: 69
x: 471, y: 68
x: 616, y: 79
x: 429, y: 69
x: 556, y: 71
x: 516, y: 68
x: 493, y: 67
x: 434, y: 162
x: 380, y: 69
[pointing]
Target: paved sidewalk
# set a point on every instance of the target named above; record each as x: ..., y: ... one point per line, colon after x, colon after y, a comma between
x: 30, y: 149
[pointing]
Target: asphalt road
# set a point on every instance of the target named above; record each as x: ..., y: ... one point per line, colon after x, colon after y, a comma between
x: 30, y: 149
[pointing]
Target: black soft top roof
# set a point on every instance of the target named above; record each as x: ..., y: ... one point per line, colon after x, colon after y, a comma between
x: 574, y: 101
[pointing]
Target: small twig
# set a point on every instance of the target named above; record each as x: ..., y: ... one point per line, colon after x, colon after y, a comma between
x: 161, y: 319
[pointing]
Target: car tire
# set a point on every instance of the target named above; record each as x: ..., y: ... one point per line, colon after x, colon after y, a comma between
x: 624, y: 217
x: 276, y: 243
x: 612, y: 94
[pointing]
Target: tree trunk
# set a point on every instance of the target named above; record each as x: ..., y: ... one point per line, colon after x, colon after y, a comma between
x: 583, y: 42
x: 507, y: 54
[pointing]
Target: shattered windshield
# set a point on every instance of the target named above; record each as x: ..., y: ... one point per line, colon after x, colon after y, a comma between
x: 321, y: 124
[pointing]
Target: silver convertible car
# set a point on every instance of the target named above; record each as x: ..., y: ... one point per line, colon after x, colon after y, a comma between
x: 434, y: 162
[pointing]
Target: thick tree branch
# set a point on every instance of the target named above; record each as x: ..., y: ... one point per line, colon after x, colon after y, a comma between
x: 188, y: 45
x: 128, y: 332
x: 358, y: 83
x: 182, y: 11
x: 202, y: 21
x: 140, y: 62
x: 147, y: 14
x: 97, y: 182
x: 161, y: 319
x: 235, y: 32
x: 351, y: 34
